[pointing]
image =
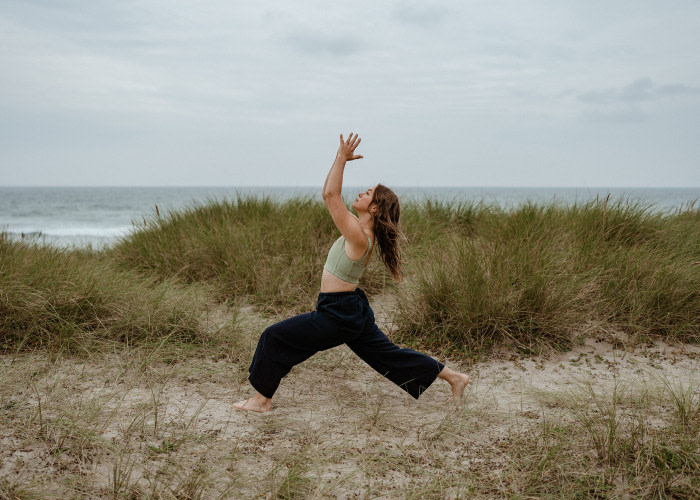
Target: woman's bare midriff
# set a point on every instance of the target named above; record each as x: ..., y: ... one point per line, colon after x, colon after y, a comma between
x: 330, y: 283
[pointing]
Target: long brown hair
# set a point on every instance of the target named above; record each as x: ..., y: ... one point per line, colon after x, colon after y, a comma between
x: 387, y: 230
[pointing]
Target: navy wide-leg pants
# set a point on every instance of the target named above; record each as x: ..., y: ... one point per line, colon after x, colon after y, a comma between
x: 339, y: 318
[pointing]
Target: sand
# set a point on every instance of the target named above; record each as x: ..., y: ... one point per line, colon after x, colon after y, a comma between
x: 108, y: 425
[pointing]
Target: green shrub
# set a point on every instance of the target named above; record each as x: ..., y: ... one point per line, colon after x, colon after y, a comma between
x: 270, y: 251
x: 540, y: 274
x: 476, y: 275
x: 55, y: 298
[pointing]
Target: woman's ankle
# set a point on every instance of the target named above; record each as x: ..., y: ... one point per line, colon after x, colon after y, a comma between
x: 447, y: 374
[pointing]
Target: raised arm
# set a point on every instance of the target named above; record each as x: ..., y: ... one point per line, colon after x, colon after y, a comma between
x: 347, y: 223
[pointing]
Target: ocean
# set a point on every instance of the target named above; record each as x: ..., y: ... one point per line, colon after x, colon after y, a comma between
x: 99, y: 216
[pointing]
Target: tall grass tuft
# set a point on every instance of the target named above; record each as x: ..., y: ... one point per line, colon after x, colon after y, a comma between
x: 270, y: 251
x: 541, y: 274
x: 65, y: 299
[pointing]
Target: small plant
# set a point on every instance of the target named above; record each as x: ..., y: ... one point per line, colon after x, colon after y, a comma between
x: 600, y: 415
x: 192, y: 486
x: 295, y: 484
x: 166, y: 447
x: 120, y: 480
x: 686, y: 399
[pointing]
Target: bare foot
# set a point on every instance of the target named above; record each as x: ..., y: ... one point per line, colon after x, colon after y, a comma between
x: 257, y: 403
x: 458, y: 385
x: 458, y: 382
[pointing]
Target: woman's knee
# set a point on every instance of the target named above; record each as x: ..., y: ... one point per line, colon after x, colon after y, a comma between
x: 272, y: 334
x: 268, y: 334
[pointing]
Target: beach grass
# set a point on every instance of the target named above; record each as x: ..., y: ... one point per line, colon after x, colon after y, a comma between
x: 77, y: 301
x: 270, y: 252
x: 477, y: 275
x: 545, y: 275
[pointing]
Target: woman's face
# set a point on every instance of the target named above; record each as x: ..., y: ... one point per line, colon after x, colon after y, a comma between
x: 364, y: 200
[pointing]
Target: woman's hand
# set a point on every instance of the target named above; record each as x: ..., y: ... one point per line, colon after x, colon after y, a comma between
x: 334, y: 181
x: 346, y: 151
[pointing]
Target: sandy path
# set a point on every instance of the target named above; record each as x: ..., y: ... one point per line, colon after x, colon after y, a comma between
x: 338, y: 429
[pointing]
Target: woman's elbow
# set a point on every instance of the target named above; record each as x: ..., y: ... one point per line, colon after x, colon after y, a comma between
x: 328, y: 195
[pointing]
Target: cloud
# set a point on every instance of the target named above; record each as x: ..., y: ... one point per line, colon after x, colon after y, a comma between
x: 621, y: 115
x: 642, y: 89
x: 420, y: 14
x: 168, y: 85
x: 677, y: 90
x: 321, y: 43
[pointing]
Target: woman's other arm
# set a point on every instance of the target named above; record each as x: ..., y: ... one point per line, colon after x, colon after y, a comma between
x: 348, y: 224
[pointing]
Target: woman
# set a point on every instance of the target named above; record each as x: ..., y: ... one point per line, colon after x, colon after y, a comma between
x: 343, y: 314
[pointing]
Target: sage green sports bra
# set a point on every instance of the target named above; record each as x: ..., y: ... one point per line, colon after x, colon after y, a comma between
x: 340, y: 265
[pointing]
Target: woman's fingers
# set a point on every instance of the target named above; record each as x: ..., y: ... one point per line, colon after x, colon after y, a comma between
x: 352, y: 142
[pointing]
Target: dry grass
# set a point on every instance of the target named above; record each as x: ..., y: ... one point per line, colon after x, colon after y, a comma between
x: 477, y: 276
x: 539, y: 276
x: 591, y: 423
x: 268, y: 251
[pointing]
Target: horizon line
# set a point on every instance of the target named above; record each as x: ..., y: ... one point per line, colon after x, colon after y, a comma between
x: 288, y: 186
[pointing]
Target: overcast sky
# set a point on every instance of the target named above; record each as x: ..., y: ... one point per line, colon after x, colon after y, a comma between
x: 238, y: 93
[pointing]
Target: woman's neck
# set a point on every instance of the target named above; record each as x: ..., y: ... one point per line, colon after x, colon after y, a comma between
x: 366, y: 221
